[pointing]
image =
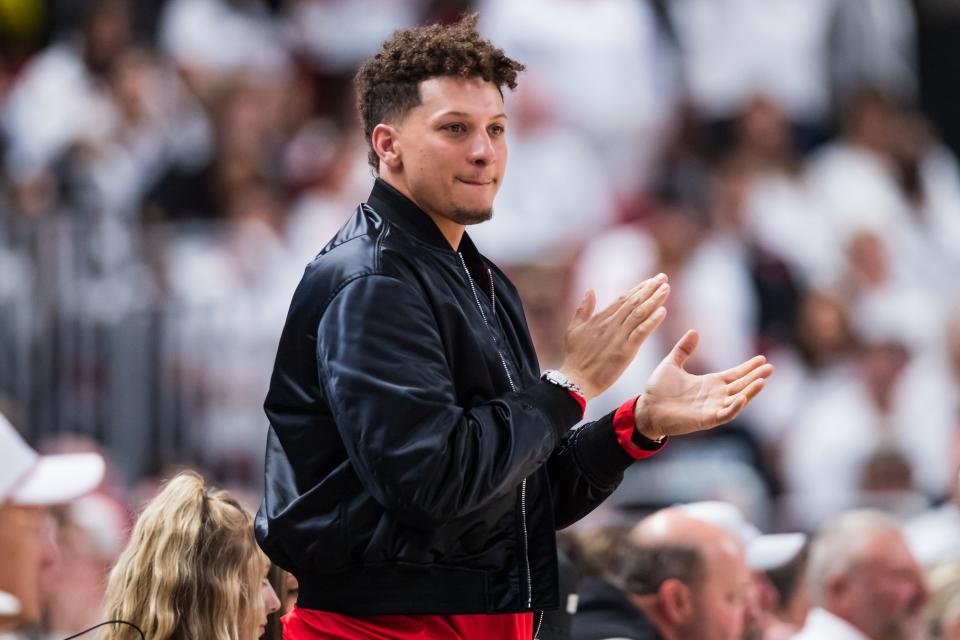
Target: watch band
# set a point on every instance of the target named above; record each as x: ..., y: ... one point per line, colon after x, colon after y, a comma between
x: 561, y: 380
x: 644, y: 442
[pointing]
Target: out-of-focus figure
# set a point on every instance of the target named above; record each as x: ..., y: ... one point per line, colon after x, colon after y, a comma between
x: 863, y: 582
x: 678, y: 577
x: 29, y: 484
x: 192, y: 569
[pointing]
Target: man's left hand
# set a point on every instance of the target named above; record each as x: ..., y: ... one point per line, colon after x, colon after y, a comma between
x: 676, y: 402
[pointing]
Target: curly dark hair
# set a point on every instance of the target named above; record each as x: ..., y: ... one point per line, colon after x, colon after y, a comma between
x: 388, y: 84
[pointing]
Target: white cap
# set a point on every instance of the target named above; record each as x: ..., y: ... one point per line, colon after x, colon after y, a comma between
x: 764, y: 551
x: 9, y: 605
x: 27, y: 478
x: 773, y: 550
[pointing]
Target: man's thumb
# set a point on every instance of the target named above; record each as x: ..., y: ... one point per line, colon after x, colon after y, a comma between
x: 587, y: 305
x: 684, y: 348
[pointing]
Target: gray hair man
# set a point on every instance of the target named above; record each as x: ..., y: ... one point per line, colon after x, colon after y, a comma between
x: 863, y: 581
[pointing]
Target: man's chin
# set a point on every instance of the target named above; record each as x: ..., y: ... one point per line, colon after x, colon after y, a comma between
x: 471, y: 216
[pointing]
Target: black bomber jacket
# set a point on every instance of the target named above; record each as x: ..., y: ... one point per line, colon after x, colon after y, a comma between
x: 415, y: 461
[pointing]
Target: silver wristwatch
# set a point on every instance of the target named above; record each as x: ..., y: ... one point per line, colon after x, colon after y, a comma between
x: 561, y: 380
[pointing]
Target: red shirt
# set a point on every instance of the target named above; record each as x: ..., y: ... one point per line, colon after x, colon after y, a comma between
x: 309, y: 624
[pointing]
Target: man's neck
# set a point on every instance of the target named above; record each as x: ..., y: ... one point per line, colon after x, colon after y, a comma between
x: 452, y: 231
x: 648, y: 605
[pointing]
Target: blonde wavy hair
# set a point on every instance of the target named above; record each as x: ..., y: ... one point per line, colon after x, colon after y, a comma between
x: 192, y: 569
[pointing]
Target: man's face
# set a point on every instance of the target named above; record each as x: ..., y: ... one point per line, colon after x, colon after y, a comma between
x: 720, y: 600
x: 884, y: 594
x: 453, y: 149
x: 26, y: 546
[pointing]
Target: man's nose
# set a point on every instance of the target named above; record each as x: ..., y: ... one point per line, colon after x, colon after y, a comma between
x: 482, y: 151
x: 49, y: 550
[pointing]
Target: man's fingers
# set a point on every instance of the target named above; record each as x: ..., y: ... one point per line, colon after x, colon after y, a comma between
x: 743, y: 398
x: 730, y: 412
x: 639, y: 313
x: 645, y: 328
x: 614, y: 306
x: 740, y: 384
x: 741, y: 370
x: 684, y: 348
x: 623, y: 305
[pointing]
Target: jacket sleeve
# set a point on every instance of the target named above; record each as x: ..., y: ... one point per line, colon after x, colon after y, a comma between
x: 421, y: 455
x: 585, y: 469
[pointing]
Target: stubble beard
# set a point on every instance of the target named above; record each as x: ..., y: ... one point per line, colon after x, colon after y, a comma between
x: 471, y: 216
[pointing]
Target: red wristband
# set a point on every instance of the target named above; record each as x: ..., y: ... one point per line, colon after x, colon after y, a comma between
x: 625, y: 426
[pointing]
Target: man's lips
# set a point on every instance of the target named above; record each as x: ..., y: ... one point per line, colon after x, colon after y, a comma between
x: 475, y: 182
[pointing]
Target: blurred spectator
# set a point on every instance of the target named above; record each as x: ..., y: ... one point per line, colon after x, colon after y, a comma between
x: 604, y: 68
x: 765, y: 554
x: 597, y: 551
x: 864, y: 42
x: 819, y: 356
x: 286, y: 588
x: 775, y: 209
x: 90, y: 534
x: 29, y: 483
x: 192, y: 569
x: 879, y: 422
x: 61, y: 99
x: 317, y: 29
x: 785, y: 603
x: 232, y: 292
x: 679, y: 578
x: 943, y: 611
x: 891, y: 193
x: 721, y: 73
x: 217, y: 41
x: 246, y: 145
x: 863, y: 582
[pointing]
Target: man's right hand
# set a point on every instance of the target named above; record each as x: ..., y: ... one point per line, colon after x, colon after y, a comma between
x: 600, y: 346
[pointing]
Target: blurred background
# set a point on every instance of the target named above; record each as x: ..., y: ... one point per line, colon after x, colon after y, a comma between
x: 169, y: 168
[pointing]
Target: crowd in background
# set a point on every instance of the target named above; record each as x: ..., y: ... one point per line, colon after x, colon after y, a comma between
x: 169, y: 168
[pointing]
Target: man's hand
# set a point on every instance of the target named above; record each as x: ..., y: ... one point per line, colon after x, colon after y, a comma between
x: 676, y: 402
x: 600, y: 346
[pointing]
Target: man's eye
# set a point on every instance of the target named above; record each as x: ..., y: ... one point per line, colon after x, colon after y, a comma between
x: 455, y: 128
x: 497, y: 130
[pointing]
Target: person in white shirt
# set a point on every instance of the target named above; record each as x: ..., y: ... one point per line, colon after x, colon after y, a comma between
x: 863, y: 581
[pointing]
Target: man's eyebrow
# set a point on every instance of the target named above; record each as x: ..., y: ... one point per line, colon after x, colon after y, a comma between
x: 464, y: 114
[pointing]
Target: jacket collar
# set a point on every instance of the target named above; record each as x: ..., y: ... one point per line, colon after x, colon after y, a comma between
x: 389, y: 203
x: 401, y: 211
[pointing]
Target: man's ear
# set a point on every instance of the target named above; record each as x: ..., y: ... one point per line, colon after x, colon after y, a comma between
x: 676, y: 601
x: 386, y: 144
x: 837, y: 587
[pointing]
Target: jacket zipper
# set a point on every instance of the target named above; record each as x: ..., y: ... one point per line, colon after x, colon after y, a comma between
x: 513, y: 387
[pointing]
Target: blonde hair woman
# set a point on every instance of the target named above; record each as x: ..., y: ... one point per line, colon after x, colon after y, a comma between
x: 192, y: 570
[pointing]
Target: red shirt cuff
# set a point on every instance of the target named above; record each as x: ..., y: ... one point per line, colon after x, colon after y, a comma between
x: 580, y: 401
x: 624, y: 427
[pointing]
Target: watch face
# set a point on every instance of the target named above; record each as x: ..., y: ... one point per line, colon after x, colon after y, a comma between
x: 557, y: 378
